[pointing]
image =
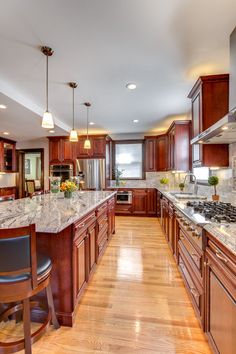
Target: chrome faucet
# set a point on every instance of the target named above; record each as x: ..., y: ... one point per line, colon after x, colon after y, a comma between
x: 195, y: 182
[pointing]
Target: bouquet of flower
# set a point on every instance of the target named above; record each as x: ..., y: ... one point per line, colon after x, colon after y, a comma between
x: 55, y: 184
x: 68, y: 186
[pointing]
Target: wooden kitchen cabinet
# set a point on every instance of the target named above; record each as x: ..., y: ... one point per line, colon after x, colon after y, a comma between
x: 111, y: 217
x: 162, y: 150
x: 150, y: 153
x: 7, y: 155
x: 179, y: 146
x: 209, y: 103
x: 81, y: 260
x: 99, y: 146
x: 55, y: 150
x: 92, y: 246
x: 139, y: 204
x: 220, y: 296
x: 102, y: 230
x: 151, y: 202
x: 67, y: 150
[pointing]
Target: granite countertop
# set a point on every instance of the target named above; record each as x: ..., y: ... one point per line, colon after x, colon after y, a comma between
x: 225, y: 233
x: 50, y: 212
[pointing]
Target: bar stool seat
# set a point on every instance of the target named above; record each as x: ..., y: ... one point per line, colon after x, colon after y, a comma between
x: 44, y: 265
x: 23, y: 274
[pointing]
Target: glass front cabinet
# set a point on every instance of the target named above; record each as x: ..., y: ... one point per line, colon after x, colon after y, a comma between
x: 7, y: 155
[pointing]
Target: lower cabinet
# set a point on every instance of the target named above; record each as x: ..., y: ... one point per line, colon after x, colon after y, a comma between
x: 220, y: 298
x: 102, y: 230
x: 144, y: 203
x: 111, y: 218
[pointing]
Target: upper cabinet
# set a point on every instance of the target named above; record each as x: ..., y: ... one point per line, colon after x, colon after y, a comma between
x: 170, y: 151
x: 7, y: 155
x: 150, y: 153
x: 209, y: 103
x: 61, y: 150
x: 179, y: 145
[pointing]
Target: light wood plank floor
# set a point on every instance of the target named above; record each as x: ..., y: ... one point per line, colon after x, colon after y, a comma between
x: 135, y: 303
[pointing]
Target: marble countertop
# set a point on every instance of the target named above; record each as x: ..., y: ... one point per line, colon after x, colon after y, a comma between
x: 225, y: 232
x: 50, y: 212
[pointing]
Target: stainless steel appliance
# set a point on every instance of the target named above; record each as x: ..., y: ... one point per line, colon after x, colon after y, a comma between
x: 124, y: 197
x: 91, y: 173
x: 63, y: 171
x: 224, y: 131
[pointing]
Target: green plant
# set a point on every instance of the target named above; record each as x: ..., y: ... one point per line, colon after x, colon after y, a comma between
x: 118, y: 173
x: 213, y: 181
x: 164, y: 180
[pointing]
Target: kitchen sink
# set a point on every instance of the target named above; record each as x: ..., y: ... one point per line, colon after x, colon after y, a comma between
x: 189, y: 196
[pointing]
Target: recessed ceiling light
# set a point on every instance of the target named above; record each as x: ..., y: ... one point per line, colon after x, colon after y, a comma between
x: 91, y: 123
x: 51, y: 131
x: 2, y: 106
x: 6, y: 133
x: 135, y: 120
x: 131, y: 86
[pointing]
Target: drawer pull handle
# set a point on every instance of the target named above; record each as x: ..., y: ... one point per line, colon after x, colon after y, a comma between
x: 219, y: 255
x: 194, y: 292
x: 81, y: 225
x: 194, y: 254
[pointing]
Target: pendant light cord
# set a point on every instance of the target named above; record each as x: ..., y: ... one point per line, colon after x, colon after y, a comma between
x: 87, y: 120
x: 47, y: 83
x: 73, y: 108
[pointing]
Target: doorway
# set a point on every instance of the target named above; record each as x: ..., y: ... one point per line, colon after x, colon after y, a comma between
x: 31, y: 168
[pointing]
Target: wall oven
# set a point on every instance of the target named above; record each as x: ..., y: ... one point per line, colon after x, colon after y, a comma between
x: 63, y: 171
x: 124, y: 197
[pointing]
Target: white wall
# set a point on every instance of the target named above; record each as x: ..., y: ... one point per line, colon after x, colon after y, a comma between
x: 38, y: 144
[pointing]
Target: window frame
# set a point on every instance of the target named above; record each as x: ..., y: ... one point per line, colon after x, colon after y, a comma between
x: 128, y: 141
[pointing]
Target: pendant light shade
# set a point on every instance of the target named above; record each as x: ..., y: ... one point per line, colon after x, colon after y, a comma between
x: 87, y: 143
x: 47, y: 121
x: 73, y: 133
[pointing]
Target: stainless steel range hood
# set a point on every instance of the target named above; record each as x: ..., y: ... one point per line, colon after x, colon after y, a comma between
x: 222, y: 132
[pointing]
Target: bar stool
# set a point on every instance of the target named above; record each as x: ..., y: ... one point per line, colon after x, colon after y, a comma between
x: 23, y: 273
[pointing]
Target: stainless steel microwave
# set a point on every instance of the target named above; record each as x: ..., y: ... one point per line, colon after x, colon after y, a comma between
x: 124, y: 197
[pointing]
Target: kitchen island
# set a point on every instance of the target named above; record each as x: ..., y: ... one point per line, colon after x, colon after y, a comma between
x: 73, y: 232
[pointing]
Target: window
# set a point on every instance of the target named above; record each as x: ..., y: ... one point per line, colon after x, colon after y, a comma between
x: 129, y: 158
x: 202, y: 174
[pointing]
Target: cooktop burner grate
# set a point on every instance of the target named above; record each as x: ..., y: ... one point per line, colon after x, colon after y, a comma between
x: 215, y: 211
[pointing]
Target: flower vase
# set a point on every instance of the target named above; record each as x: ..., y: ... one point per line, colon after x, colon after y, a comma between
x: 68, y: 194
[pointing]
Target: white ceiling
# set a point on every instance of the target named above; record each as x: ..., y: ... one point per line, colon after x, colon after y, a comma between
x: 162, y: 46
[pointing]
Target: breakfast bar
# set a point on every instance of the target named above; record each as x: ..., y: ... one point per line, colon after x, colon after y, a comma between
x: 73, y: 232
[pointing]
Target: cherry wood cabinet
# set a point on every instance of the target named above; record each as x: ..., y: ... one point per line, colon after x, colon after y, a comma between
x: 150, y: 153
x: 7, y: 155
x: 220, y: 296
x: 81, y: 263
x: 102, y: 230
x: 162, y: 150
x: 111, y: 217
x: 209, y: 103
x: 7, y: 191
x: 144, y: 203
x: 61, y: 150
x: 179, y: 145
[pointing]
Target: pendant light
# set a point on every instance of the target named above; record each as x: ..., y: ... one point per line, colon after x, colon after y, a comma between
x: 47, y: 121
x: 73, y: 133
x: 87, y: 143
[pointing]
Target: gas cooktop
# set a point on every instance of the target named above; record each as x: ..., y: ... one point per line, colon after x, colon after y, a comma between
x: 215, y: 211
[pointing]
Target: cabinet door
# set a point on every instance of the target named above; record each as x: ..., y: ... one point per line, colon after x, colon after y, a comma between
x: 55, y: 151
x: 92, y: 246
x: 68, y: 149
x: 171, y: 228
x: 151, y: 202
x: 150, y: 154
x: 161, y: 153
x: 196, y: 115
x: 80, y: 151
x: 99, y: 147
x: 171, y: 149
x: 80, y: 263
x: 139, y: 202
x: 111, y: 218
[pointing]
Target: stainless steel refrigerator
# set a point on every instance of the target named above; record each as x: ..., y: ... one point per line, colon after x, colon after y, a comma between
x: 92, y: 172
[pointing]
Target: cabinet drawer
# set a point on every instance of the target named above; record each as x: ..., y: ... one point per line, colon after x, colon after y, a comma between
x: 195, y: 292
x: 102, y: 209
x: 195, y: 256
x: 222, y: 258
x: 84, y: 223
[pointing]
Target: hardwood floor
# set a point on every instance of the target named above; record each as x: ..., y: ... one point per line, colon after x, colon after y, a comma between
x: 135, y: 303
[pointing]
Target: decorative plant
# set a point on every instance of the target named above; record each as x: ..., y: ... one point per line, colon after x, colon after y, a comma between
x: 164, y: 180
x: 213, y: 181
x: 68, y: 186
x: 181, y: 186
x: 118, y: 174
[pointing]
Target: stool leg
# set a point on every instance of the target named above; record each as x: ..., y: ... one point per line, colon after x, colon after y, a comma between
x: 51, y: 306
x: 27, y: 332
